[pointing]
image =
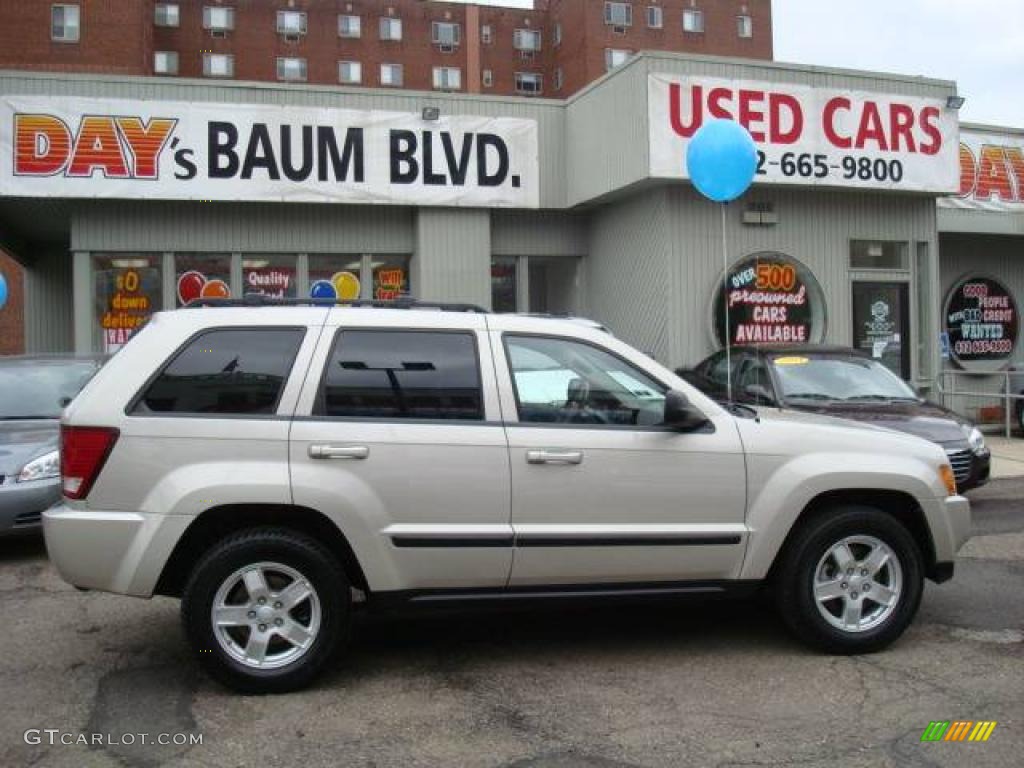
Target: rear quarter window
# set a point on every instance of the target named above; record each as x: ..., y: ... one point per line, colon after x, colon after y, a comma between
x: 225, y: 371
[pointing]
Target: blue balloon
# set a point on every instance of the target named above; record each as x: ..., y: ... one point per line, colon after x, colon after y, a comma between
x: 722, y: 160
x: 3, y: 290
x: 322, y: 289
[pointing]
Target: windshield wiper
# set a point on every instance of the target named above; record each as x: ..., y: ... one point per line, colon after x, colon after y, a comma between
x: 30, y: 417
x: 810, y: 396
x: 882, y: 398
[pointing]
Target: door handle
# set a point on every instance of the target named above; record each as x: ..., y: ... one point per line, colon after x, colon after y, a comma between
x: 338, y: 451
x: 549, y: 456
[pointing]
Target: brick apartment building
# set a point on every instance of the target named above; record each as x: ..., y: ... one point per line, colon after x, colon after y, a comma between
x: 553, y: 50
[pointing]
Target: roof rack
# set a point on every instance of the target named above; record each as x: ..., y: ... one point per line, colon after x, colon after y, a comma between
x: 259, y: 300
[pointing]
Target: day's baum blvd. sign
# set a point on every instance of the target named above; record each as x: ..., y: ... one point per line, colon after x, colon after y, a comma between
x: 203, y: 151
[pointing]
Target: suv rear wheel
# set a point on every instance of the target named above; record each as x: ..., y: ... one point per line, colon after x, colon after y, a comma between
x: 850, y: 580
x: 265, y: 609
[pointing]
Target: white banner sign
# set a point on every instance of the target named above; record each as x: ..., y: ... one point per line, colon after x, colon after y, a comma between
x: 991, y: 172
x: 199, y: 151
x: 811, y: 136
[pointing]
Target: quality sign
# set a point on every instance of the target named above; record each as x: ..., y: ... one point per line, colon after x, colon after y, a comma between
x: 811, y: 136
x: 90, y: 148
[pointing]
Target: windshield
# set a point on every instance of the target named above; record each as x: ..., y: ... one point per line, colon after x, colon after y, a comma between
x: 838, y: 378
x: 36, y: 389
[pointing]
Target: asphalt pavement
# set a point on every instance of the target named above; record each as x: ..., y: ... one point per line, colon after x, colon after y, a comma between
x: 702, y: 684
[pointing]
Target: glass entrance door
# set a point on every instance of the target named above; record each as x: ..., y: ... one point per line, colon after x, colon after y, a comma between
x: 540, y: 284
x: 881, y: 324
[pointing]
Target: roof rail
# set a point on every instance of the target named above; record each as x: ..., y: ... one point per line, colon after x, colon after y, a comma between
x: 259, y: 300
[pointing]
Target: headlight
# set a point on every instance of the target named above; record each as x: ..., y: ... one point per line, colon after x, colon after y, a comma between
x: 47, y: 465
x: 975, y: 439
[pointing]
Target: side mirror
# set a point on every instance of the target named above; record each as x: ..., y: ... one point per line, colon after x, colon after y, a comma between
x: 680, y: 413
x: 759, y: 394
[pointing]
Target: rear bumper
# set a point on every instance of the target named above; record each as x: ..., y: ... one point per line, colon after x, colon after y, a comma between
x: 22, y: 503
x: 120, y: 552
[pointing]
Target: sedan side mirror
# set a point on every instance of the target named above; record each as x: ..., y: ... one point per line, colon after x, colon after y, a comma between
x: 759, y: 394
x: 680, y: 413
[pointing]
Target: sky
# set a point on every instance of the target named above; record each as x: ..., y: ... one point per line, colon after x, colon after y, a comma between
x: 978, y: 43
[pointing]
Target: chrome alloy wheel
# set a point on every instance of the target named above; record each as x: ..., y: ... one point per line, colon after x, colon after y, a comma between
x: 858, y: 583
x: 266, y: 615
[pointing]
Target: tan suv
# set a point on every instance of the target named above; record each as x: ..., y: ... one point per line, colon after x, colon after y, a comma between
x: 278, y: 465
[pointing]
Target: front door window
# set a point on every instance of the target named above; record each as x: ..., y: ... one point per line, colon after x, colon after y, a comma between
x: 881, y: 324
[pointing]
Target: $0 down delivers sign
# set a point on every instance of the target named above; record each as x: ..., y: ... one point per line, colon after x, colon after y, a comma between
x: 203, y: 151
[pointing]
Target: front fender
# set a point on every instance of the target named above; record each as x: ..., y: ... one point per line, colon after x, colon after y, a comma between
x: 781, y: 487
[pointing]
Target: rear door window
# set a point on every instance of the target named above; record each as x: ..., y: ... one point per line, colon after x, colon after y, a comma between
x: 225, y: 371
x: 384, y: 374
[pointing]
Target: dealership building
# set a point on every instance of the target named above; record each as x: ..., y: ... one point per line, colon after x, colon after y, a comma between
x: 121, y: 196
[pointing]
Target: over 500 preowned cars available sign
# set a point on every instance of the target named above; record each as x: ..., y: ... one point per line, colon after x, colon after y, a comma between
x: 811, y: 136
x: 204, y: 151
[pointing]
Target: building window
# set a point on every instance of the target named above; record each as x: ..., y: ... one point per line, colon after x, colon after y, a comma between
x: 391, y: 74
x: 268, y: 274
x: 350, y: 26
x: 445, y: 33
x: 618, y: 14
x: 218, y: 19
x: 526, y: 40
x: 744, y: 26
x: 872, y: 254
x: 693, y: 21
x: 528, y: 83
x: 167, y: 15
x: 218, y: 65
x: 486, y: 34
x: 655, y: 17
x: 447, y: 78
x: 201, y: 276
x: 614, y: 57
x: 559, y: 79
x: 291, y: 68
x: 165, y: 63
x: 291, y: 23
x: 65, y: 23
x: 350, y: 72
x: 558, y: 34
x: 390, y: 29
x: 488, y: 78
x: 127, y: 289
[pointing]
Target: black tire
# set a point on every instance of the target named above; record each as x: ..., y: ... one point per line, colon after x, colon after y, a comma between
x: 321, y: 570
x: 794, y: 582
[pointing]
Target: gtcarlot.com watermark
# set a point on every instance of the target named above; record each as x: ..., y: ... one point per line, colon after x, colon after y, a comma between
x: 54, y: 737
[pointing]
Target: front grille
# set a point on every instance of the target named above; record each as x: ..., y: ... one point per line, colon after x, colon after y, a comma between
x: 961, y: 463
x: 28, y: 518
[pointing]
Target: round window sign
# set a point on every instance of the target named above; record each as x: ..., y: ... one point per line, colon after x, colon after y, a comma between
x: 772, y: 299
x: 982, y: 322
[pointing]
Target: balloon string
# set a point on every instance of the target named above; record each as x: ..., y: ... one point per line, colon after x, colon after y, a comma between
x: 725, y: 288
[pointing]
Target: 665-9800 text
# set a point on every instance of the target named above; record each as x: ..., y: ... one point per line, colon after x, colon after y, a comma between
x: 806, y: 165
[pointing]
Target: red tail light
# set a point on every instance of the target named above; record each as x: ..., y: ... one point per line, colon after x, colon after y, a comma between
x: 83, y: 452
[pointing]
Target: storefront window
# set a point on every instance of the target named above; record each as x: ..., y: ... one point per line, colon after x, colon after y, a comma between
x: 390, y: 277
x: 202, y: 275
x: 335, y: 276
x: 128, y: 288
x: 269, y: 275
x: 772, y: 299
x: 503, y: 284
x: 875, y: 254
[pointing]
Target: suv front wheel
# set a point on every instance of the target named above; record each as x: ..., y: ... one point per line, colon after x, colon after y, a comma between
x: 265, y: 609
x: 850, y: 580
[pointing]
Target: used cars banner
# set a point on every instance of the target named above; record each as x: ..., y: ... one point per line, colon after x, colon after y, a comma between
x: 991, y: 172
x: 811, y: 136
x: 200, y: 151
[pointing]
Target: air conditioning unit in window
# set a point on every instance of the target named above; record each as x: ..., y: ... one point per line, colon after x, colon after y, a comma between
x: 292, y: 37
x: 528, y: 55
x: 619, y: 30
x: 219, y: 33
x: 446, y: 48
